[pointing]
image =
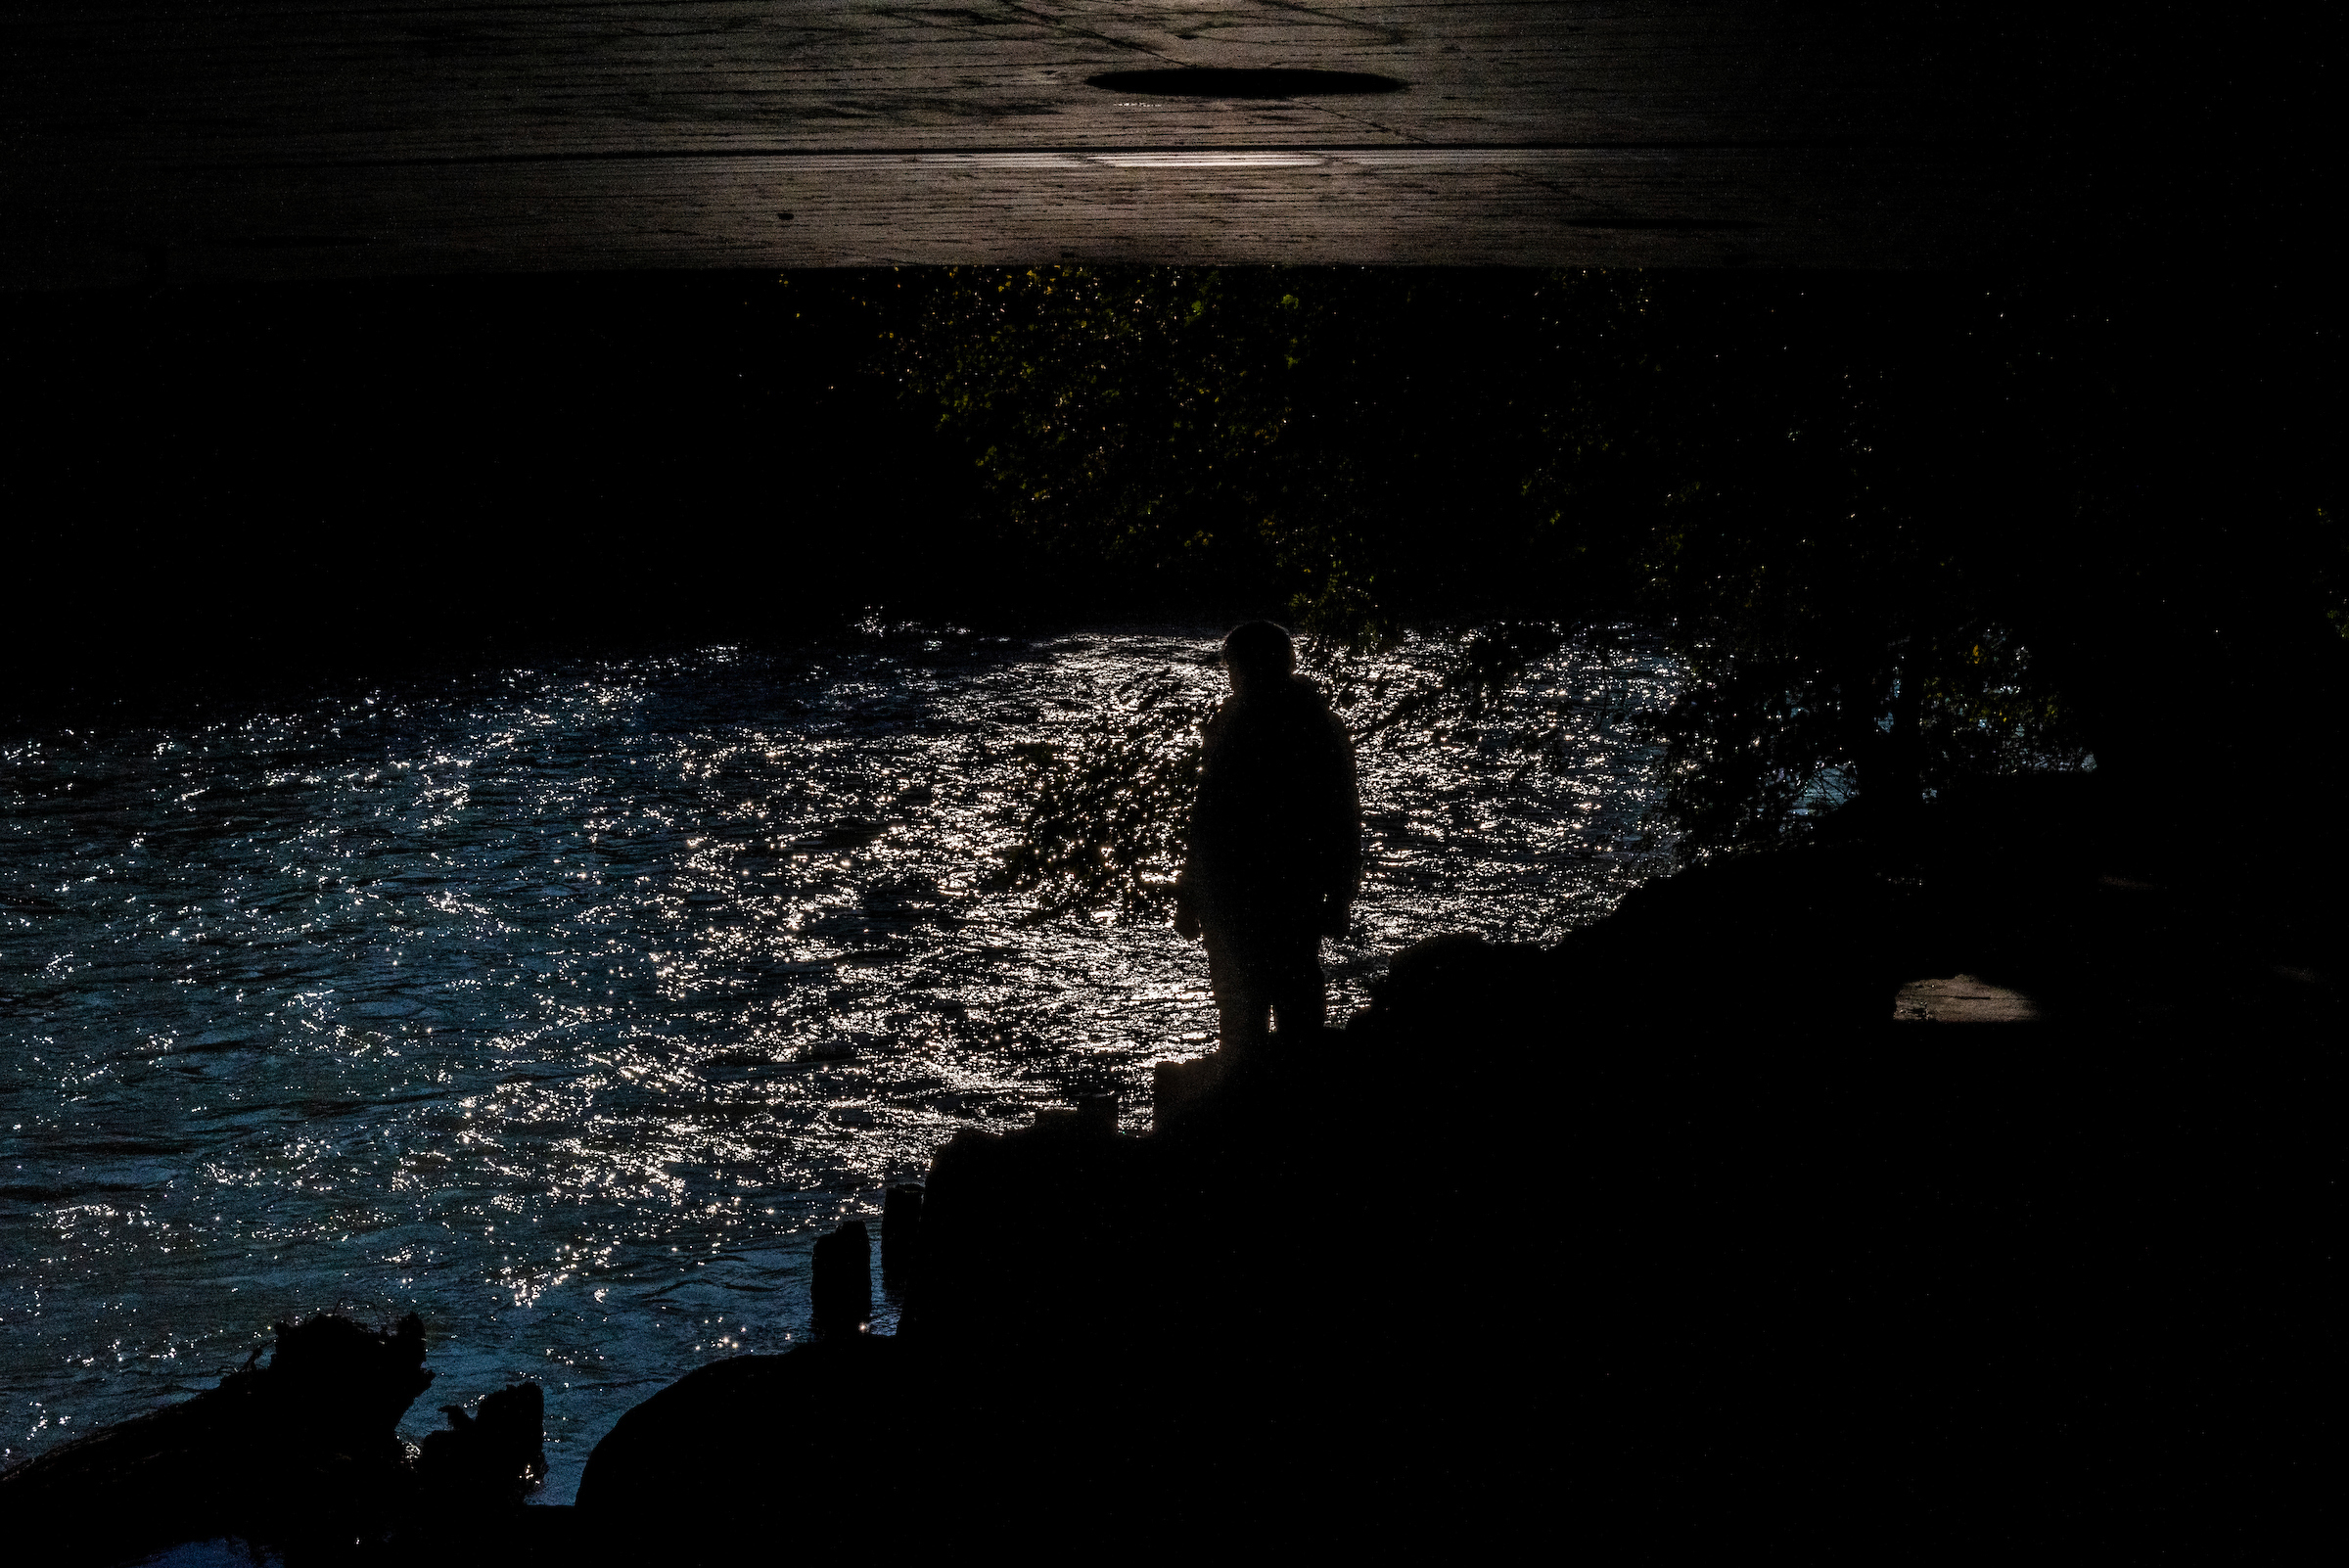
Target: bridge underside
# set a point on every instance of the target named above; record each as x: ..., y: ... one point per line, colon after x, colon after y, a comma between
x: 433, y: 136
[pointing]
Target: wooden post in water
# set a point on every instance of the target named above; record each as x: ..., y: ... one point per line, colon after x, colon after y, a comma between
x: 1176, y: 1086
x: 843, y: 1287
x: 900, y: 1235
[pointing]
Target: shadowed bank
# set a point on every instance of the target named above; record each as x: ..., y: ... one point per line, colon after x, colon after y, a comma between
x: 1724, y: 1246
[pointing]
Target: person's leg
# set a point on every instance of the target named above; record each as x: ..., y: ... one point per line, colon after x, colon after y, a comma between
x: 1241, y: 1004
x: 1299, y: 996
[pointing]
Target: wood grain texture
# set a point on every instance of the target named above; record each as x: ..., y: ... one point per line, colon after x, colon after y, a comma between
x: 322, y: 138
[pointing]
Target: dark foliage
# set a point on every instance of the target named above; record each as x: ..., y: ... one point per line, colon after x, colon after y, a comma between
x: 1904, y: 530
x: 1098, y: 822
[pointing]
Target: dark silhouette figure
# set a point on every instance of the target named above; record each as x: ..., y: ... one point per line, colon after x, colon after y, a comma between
x: 1275, y: 846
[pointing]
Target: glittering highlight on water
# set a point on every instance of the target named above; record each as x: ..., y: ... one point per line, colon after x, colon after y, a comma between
x: 566, y: 1006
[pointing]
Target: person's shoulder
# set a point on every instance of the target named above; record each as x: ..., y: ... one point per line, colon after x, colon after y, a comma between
x: 1308, y: 694
x: 1304, y: 690
x: 1311, y: 714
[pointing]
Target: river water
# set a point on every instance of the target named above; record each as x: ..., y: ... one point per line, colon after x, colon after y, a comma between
x: 567, y: 1006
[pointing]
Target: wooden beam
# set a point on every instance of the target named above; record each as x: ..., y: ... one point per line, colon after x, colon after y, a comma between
x: 291, y: 139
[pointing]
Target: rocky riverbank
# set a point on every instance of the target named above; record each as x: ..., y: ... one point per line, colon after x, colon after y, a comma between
x: 1684, y: 1234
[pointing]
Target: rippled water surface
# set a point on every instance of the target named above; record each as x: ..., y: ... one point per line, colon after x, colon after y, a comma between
x: 566, y: 1006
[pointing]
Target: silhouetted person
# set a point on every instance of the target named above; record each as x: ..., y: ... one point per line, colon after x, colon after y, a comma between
x: 1275, y: 852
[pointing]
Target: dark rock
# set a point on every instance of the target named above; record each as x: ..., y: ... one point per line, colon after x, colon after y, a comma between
x: 299, y: 1452
x: 1460, y: 986
x: 1019, y: 1227
x: 824, y: 1446
x: 489, y: 1459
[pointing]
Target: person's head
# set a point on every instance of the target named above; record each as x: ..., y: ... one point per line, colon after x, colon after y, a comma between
x: 1257, y: 654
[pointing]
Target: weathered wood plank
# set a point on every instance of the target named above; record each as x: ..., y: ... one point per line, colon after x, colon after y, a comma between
x: 670, y: 132
x: 1594, y: 207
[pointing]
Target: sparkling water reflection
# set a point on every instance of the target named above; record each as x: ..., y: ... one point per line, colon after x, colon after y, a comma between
x: 566, y: 1006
